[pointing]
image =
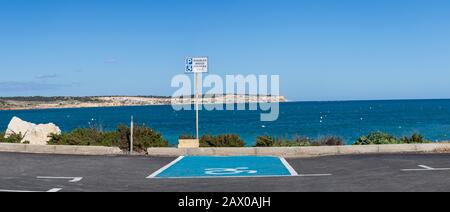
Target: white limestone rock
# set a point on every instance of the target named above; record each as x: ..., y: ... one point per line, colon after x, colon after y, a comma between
x: 33, y: 133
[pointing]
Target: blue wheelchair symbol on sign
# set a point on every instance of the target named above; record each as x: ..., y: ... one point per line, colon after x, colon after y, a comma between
x: 188, y: 68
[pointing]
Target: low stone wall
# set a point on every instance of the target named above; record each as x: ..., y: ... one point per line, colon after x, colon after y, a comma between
x: 303, y: 151
x: 60, y: 149
x: 255, y: 151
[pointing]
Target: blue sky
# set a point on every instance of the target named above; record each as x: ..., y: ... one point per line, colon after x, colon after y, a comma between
x: 322, y: 49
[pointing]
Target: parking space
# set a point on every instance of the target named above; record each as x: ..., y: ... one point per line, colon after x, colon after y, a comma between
x: 37, y: 184
x: 236, y: 166
x: 26, y: 185
x: 43, y: 172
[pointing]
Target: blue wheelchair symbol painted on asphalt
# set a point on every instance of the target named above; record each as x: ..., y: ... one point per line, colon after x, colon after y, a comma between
x: 229, y: 171
x: 234, y: 166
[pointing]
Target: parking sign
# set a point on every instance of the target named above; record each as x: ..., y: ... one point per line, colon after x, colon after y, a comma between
x: 196, y: 65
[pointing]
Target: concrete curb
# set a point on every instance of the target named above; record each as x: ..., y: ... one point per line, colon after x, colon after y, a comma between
x: 241, y: 151
x: 60, y: 149
x: 303, y: 151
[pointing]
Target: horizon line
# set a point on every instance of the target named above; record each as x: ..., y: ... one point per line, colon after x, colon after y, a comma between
x: 287, y: 99
x: 365, y: 100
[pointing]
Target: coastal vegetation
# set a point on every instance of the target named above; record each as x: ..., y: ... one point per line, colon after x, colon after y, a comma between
x: 271, y: 141
x: 225, y: 140
x: 143, y: 138
x: 186, y: 136
x: 384, y: 138
x: 14, y: 138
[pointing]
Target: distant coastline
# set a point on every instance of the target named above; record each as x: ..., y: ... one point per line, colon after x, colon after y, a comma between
x: 60, y: 102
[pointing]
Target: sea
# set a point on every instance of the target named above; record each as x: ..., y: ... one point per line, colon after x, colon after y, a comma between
x: 346, y: 119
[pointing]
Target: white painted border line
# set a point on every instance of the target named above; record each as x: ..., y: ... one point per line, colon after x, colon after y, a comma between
x: 54, y: 190
x: 436, y: 169
x: 165, y: 167
x: 23, y: 191
x: 313, y: 175
x: 256, y: 176
x: 426, y: 168
x: 71, y: 179
x: 288, y: 167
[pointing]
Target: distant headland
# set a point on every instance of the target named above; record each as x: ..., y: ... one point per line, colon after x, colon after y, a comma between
x: 42, y: 102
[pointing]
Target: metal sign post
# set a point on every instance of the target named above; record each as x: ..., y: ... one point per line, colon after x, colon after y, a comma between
x: 131, y: 135
x: 196, y: 65
x: 196, y: 105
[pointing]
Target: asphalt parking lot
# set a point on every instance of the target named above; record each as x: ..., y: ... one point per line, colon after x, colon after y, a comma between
x: 68, y: 173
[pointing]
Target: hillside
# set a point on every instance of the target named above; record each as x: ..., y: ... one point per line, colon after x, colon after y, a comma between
x: 40, y: 102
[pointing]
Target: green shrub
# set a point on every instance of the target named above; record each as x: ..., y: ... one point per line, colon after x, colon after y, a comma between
x: 186, y: 136
x: 144, y: 138
x: 414, y: 139
x: 228, y: 140
x: 266, y: 141
x: 270, y: 141
x: 384, y: 138
x: 328, y: 141
x: 298, y: 141
x: 85, y: 137
x: 377, y: 138
x: 13, y: 138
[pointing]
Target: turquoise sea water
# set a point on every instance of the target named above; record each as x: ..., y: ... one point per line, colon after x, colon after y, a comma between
x: 347, y: 119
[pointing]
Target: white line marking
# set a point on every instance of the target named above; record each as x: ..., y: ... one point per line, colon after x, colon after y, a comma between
x: 314, y: 175
x: 165, y: 167
x: 53, y: 190
x: 435, y: 169
x: 288, y: 167
x: 426, y: 168
x: 23, y: 191
x: 71, y: 179
x: 18, y: 191
x: 257, y: 176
